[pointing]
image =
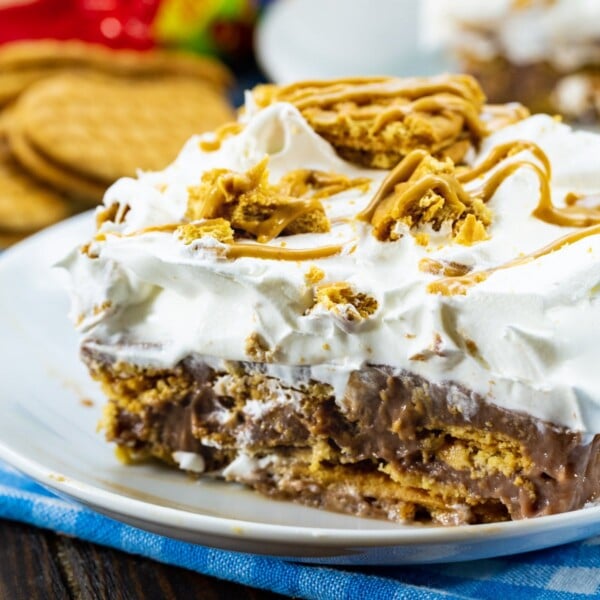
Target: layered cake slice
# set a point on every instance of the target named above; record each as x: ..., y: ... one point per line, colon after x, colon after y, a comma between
x: 376, y: 296
x: 544, y: 53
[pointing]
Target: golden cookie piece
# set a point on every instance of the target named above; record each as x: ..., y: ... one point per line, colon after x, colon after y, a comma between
x: 8, y: 239
x: 37, y: 58
x: 12, y: 83
x: 80, y: 132
x: 73, y: 184
x: 377, y: 121
x: 25, y: 205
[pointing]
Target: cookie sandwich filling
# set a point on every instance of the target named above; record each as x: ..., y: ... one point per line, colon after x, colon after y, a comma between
x: 377, y: 296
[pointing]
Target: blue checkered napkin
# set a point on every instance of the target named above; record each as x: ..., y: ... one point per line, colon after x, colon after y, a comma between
x: 571, y: 571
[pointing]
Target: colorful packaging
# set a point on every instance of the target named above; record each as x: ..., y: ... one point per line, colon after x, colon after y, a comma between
x: 222, y: 27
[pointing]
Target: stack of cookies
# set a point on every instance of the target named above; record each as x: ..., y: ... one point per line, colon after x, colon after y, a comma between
x: 75, y: 117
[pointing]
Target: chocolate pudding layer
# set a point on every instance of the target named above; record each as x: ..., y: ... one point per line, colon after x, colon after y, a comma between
x: 395, y: 446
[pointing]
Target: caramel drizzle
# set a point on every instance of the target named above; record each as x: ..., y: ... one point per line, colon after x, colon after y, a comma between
x: 243, y: 249
x: 451, y: 286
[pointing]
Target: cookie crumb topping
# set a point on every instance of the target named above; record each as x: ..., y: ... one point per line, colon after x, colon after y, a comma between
x: 423, y: 190
x: 220, y: 229
x: 253, y: 206
x: 258, y: 349
x: 342, y: 299
x: 314, y: 275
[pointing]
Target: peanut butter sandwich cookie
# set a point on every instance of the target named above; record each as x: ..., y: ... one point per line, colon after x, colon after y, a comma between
x: 80, y: 132
x: 24, y: 63
x: 25, y: 205
x: 378, y: 121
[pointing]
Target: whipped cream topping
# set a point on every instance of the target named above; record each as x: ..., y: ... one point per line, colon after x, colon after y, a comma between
x: 525, y: 338
x: 563, y: 32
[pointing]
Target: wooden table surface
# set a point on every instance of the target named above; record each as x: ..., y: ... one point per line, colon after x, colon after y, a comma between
x: 41, y: 565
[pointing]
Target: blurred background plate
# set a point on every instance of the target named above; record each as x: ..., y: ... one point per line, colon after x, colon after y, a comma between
x: 316, y: 39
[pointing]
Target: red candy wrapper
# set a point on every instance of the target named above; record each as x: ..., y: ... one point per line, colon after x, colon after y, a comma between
x: 222, y: 27
x: 114, y: 23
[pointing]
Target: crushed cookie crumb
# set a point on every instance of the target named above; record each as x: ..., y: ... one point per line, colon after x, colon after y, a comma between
x: 471, y: 346
x: 435, y: 349
x: 326, y: 347
x: 253, y: 206
x: 422, y: 239
x: 322, y: 184
x: 87, y: 250
x: 470, y: 231
x: 219, y: 229
x: 257, y: 348
x: 314, y: 275
x: 423, y: 190
x: 114, y: 213
x: 100, y: 308
x: 340, y: 298
x: 443, y: 267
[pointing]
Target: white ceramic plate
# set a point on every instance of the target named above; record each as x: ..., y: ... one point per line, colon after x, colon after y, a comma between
x: 318, y: 39
x: 48, y: 431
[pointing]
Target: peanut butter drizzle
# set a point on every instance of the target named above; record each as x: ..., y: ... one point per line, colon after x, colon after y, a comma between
x: 501, y: 152
x: 451, y: 286
x: 245, y: 249
x: 253, y: 205
x: 166, y: 228
x: 572, y: 198
x: 306, y: 94
x: 434, y: 104
x: 401, y: 174
x: 242, y: 249
x: 281, y: 218
x: 450, y: 186
x: 223, y: 132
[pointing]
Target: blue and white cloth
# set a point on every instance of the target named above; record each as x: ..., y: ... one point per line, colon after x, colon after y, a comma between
x: 571, y: 571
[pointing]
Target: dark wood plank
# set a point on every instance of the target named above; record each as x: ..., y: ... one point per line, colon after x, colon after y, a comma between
x: 28, y: 568
x: 37, y: 564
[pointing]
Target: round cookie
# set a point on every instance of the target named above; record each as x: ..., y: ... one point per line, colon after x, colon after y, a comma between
x: 25, y: 205
x: 82, y: 132
x: 50, y: 55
